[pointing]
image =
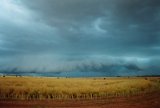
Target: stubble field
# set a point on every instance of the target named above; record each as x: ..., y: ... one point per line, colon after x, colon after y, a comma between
x: 31, y: 91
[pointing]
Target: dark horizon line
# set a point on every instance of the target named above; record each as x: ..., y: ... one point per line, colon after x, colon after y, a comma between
x: 20, y: 75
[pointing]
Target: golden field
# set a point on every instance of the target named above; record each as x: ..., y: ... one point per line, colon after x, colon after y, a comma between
x: 12, y: 87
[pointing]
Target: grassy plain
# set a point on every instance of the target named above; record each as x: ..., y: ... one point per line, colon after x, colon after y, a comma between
x: 27, y: 88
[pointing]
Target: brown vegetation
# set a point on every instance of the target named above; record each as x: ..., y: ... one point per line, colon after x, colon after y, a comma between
x: 27, y: 88
x: 148, y: 100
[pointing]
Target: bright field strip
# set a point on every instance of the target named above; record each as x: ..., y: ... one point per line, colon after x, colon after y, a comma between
x: 74, y: 88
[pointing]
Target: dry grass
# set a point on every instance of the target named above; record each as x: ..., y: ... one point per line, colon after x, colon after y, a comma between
x: 74, y: 88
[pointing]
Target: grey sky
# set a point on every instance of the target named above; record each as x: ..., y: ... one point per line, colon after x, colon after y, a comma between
x: 80, y: 35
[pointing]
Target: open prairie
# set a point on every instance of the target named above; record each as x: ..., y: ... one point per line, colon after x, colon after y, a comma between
x: 44, y: 92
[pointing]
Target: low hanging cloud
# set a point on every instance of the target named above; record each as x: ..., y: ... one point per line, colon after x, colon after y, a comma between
x: 109, y: 36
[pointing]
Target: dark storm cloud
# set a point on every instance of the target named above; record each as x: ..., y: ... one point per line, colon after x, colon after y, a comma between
x: 124, y: 22
x: 80, y: 35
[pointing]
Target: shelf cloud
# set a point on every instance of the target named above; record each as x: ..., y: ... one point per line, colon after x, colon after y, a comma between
x: 102, y: 36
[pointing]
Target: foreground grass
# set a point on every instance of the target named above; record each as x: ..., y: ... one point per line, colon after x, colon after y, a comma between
x: 74, y: 88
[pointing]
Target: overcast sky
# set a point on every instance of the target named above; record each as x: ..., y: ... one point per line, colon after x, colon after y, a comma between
x: 109, y: 36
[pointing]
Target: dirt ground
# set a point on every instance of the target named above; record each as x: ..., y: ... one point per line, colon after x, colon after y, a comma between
x: 150, y: 100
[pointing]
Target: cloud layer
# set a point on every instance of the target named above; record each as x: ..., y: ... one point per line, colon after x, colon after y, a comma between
x: 109, y: 36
